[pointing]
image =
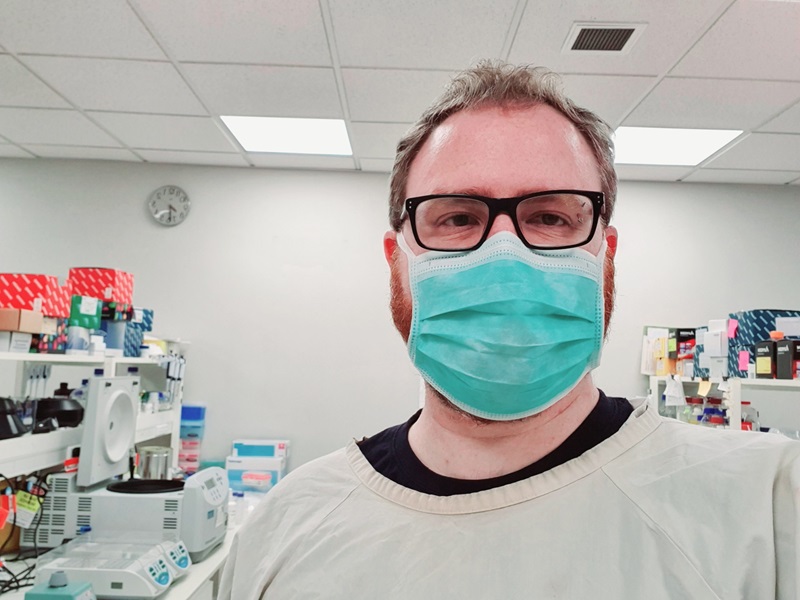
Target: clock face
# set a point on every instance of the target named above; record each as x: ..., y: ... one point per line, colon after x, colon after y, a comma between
x: 169, y: 205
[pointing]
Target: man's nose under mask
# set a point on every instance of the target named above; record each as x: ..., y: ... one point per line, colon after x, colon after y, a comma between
x: 503, y: 332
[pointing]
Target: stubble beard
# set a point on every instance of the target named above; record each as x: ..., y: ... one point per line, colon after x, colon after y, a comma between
x: 402, y: 314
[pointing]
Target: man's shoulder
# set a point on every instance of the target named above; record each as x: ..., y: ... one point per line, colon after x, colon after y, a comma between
x: 315, y: 487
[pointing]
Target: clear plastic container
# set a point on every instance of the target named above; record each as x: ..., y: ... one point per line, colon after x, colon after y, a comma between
x: 692, y: 410
x: 750, y: 419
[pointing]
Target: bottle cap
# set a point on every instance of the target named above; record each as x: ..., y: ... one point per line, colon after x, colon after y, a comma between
x: 776, y: 335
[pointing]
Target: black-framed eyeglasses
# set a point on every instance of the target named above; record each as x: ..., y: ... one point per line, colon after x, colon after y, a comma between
x: 549, y: 220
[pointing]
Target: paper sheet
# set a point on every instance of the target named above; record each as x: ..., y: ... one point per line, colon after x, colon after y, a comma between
x: 674, y: 393
x: 704, y: 388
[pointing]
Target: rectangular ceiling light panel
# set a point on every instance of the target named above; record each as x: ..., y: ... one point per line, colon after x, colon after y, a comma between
x: 290, y: 136
x: 663, y: 146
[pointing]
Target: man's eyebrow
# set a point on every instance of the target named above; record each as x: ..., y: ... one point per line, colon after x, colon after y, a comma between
x: 479, y: 191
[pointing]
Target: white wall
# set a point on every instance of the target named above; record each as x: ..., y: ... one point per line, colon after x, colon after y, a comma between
x: 278, y: 280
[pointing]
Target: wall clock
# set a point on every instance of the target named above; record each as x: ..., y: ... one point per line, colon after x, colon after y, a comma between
x: 169, y: 205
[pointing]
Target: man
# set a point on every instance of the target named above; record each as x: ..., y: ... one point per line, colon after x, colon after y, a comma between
x: 519, y: 479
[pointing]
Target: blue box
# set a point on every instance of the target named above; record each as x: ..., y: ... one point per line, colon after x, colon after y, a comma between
x: 193, y: 422
x: 754, y: 326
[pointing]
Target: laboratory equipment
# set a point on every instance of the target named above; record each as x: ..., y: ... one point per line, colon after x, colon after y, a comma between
x: 58, y: 587
x: 109, y: 428
x: 115, y: 569
x: 197, y: 513
x: 154, y: 462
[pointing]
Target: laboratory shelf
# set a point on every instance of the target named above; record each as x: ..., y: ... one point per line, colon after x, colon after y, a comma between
x: 30, y: 452
x: 55, y: 359
x: 733, y: 390
x: 153, y: 425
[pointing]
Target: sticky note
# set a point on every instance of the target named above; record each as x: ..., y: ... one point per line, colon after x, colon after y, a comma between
x: 744, y: 360
x: 704, y: 388
x: 733, y: 325
x: 27, y: 507
x: 672, y: 345
x: 763, y: 365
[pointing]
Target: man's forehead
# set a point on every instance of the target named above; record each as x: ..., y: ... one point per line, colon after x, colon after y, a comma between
x: 503, y: 151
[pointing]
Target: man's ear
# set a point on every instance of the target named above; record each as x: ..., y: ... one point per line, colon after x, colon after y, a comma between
x: 611, y: 239
x: 389, y: 245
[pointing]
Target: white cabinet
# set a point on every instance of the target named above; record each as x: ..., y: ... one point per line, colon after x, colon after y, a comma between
x: 732, y: 389
x: 30, y: 453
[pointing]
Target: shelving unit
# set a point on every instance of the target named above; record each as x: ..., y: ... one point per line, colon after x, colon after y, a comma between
x: 30, y: 452
x: 733, y: 393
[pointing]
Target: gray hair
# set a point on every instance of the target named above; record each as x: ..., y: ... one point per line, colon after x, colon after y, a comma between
x: 497, y: 83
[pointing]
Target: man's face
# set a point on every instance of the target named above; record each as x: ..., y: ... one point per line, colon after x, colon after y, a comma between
x: 499, y: 153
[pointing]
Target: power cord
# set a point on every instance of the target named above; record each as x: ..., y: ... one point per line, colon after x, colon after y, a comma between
x: 26, y: 577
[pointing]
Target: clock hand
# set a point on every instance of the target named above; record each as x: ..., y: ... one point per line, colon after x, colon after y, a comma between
x: 171, y: 208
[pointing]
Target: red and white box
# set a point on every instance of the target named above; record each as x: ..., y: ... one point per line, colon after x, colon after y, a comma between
x: 26, y: 291
x: 110, y: 285
x: 57, y: 304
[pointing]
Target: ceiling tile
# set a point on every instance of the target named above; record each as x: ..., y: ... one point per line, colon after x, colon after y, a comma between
x: 301, y: 161
x: 266, y: 91
x: 742, y: 176
x: 159, y: 132
x: 194, y: 158
x: 650, y: 172
x: 447, y: 34
x: 119, y: 85
x: 713, y: 103
x: 670, y: 31
x: 768, y: 151
x: 788, y: 122
x: 610, y: 96
x: 21, y: 88
x: 9, y: 151
x: 51, y: 126
x: 76, y: 27
x: 377, y: 140
x: 391, y: 96
x: 377, y: 165
x: 245, y: 31
x: 82, y: 152
x: 756, y: 40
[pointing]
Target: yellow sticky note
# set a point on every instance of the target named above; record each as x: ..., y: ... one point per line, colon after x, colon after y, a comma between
x: 763, y: 365
x: 26, y: 501
x: 704, y: 388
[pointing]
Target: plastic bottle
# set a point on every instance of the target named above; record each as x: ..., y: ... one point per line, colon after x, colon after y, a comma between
x: 234, y: 501
x: 692, y: 410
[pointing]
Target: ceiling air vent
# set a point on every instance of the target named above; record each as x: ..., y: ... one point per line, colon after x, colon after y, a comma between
x: 602, y: 38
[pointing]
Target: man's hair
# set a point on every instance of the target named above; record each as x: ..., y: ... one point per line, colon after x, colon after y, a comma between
x: 497, y: 83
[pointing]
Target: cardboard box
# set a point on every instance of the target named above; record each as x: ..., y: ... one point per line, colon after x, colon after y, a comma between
x: 25, y: 290
x: 753, y: 326
x: 54, y: 342
x: 15, y: 341
x: 267, y: 448
x: 25, y: 321
x: 116, y: 311
x: 787, y: 358
x: 85, y: 311
x: 110, y: 285
x: 57, y: 303
x: 242, y: 468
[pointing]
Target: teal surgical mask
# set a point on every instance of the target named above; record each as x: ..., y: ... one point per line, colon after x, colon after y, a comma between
x: 504, y: 332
